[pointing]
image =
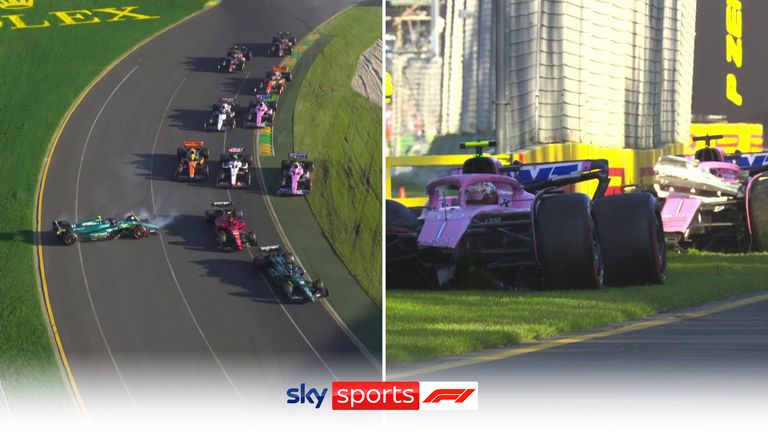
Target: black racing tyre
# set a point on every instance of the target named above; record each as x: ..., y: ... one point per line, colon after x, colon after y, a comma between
x: 70, y: 239
x: 292, y: 40
x: 211, y: 215
x: 275, y: 39
x: 140, y: 232
x: 238, y: 213
x: 289, y: 257
x: 309, y: 184
x: 181, y: 153
x: 251, y: 238
x: 204, y: 152
x: 248, y: 178
x: 288, y: 51
x: 221, y: 239
x: 288, y: 76
x: 288, y: 290
x: 260, y: 261
x: 206, y: 171
x: 757, y: 210
x: 567, y: 244
x: 284, y: 165
x: 310, y: 166
x: 222, y: 177
x: 631, y: 239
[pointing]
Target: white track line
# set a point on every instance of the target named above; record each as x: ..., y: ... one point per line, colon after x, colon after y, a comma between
x: 331, y: 311
x: 5, y: 402
x: 165, y: 250
x: 290, y: 318
x: 79, y: 250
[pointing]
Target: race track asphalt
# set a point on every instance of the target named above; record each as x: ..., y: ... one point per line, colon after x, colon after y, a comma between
x: 171, y: 315
x: 719, y: 359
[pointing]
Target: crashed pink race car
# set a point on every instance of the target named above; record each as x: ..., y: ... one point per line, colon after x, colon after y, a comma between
x: 714, y: 201
x: 296, y: 177
x: 520, y: 226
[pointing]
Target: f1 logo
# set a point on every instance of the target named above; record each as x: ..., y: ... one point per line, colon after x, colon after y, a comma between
x: 449, y: 395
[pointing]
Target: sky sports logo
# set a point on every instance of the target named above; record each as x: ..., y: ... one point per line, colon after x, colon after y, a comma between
x: 390, y: 395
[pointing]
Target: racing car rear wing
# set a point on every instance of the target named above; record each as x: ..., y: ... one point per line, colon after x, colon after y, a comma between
x: 539, y: 176
x: 235, y: 150
x: 229, y: 100
x: 221, y: 203
x: 298, y: 156
x: 191, y: 144
x: 269, y: 248
x: 280, y: 69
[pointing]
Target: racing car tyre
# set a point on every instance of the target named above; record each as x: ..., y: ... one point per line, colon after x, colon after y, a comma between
x: 211, y: 215
x: 140, y: 232
x: 631, y: 239
x: 70, y: 239
x: 181, y: 153
x: 567, y: 244
x: 310, y: 166
x: 757, y: 208
x: 288, y: 290
x: 206, y: 171
x: 260, y: 261
x: 275, y: 39
x: 284, y: 165
x: 238, y: 213
x: 251, y: 238
x: 221, y: 239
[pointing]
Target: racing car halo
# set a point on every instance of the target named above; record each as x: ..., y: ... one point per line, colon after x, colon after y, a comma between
x: 526, y: 230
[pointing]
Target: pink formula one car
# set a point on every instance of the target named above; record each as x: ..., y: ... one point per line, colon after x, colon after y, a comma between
x: 518, y: 223
x: 296, y: 175
x: 714, y: 201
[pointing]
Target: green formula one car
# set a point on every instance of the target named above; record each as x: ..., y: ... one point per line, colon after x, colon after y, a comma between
x: 282, y: 268
x: 100, y: 228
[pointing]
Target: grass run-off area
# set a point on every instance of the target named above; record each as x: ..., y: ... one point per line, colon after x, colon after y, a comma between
x: 423, y: 325
x: 44, y: 70
x: 345, y: 145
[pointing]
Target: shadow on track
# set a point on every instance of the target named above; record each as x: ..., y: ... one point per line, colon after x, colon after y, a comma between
x: 190, y: 119
x: 240, y: 274
x: 203, y: 64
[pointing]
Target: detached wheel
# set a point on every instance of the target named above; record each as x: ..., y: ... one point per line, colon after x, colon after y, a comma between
x: 251, y: 238
x: 757, y: 208
x: 70, y: 239
x: 567, y: 243
x: 631, y: 239
x: 140, y: 232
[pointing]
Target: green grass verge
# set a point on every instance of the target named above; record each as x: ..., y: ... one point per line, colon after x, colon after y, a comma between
x: 44, y: 70
x: 424, y: 325
x: 341, y: 131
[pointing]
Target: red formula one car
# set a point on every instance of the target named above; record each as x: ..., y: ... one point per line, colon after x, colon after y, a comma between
x: 230, y: 227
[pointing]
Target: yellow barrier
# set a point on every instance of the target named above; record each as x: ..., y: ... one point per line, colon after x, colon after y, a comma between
x: 628, y: 166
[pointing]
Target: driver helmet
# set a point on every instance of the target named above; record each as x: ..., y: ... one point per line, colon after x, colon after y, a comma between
x: 483, y: 193
x: 193, y: 154
x: 235, y: 157
x: 132, y: 218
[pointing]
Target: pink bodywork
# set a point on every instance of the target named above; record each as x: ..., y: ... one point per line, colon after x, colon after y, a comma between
x: 446, y: 222
x: 678, y: 212
x: 296, y: 171
x: 680, y: 208
x: 261, y: 109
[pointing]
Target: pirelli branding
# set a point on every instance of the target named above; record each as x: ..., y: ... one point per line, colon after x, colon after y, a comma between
x: 14, y: 16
